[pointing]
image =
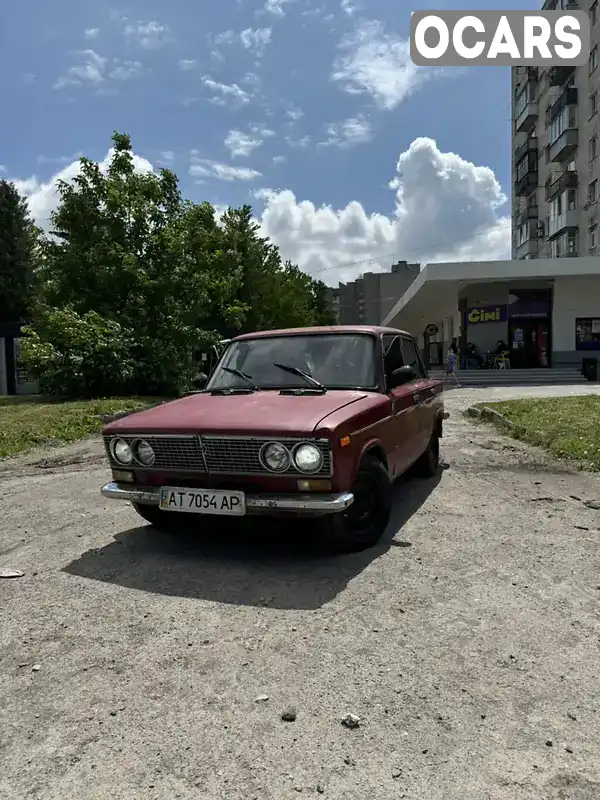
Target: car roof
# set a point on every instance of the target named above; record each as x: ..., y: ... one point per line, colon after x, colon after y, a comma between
x: 370, y: 329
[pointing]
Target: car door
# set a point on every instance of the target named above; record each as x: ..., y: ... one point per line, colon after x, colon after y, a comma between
x: 403, y: 409
x: 423, y: 393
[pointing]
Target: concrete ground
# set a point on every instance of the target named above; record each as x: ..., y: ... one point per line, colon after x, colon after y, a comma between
x: 136, y: 666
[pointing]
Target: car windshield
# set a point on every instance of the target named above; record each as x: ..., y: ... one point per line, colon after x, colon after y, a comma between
x: 337, y: 361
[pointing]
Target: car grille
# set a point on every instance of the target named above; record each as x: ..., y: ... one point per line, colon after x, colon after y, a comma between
x: 217, y: 455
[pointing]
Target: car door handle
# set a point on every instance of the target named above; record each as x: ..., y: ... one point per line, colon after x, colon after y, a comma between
x: 416, y: 398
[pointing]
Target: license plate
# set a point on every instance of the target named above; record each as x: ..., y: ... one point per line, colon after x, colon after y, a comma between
x: 202, y: 501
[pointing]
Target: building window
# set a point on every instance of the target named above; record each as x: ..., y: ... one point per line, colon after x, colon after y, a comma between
x: 564, y: 245
x: 593, y: 236
x: 567, y: 118
x: 593, y: 192
x: 593, y: 59
x: 593, y: 147
x: 527, y: 95
x: 593, y: 104
x: 587, y: 333
x: 572, y: 200
x: 594, y: 12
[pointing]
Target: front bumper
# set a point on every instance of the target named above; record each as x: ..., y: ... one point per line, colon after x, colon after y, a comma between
x: 314, y: 503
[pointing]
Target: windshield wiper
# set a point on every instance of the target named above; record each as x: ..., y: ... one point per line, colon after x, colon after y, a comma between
x: 295, y: 371
x: 239, y: 374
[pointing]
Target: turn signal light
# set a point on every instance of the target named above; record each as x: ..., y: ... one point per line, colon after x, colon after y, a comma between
x: 314, y: 486
x: 121, y: 476
x: 344, y: 441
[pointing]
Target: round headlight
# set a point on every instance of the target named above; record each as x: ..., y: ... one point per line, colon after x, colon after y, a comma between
x: 275, y: 456
x: 121, y: 451
x: 308, y: 458
x: 144, y: 453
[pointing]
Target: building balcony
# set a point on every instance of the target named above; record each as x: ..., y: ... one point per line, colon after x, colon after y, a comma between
x: 568, y: 97
x: 558, y: 182
x: 526, y: 183
x: 560, y: 75
x: 527, y: 118
x: 564, y: 146
x: 560, y: 223
x: 528, y: 249
x: 527, y: 214
x: 529, y: 146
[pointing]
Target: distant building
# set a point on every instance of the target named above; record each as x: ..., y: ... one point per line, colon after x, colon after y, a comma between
x: 13, y: 378
x: 555, y: 153
x: 370, y: 298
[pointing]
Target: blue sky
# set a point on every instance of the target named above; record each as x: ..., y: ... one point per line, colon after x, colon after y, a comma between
x: 179, y: 77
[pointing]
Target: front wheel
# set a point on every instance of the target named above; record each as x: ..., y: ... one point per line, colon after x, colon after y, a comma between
x: 363, y: 524
x: 161, y: 520
x: 428, y: 465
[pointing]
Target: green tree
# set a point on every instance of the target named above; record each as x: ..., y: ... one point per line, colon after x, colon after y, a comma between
x: 125, y: 246
x: 18, y: 244
x: 134, y: 281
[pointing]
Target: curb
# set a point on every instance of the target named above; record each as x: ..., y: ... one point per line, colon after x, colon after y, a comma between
x: 489, y: 415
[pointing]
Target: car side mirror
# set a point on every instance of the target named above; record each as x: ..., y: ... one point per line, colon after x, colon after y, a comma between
x: 401, y: 376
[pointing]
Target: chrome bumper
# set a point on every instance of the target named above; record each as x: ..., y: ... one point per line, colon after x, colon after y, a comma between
x: 314, y: 503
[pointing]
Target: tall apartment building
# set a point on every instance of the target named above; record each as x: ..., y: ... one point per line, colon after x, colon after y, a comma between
x: 370, y: 298
x: 555, y: 171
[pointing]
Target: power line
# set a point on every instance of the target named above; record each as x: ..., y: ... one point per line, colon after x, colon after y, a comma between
x: 413, y: 250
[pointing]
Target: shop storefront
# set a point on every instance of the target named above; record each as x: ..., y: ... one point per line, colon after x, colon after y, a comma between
x: 546, y: 312
x: 523, y: 324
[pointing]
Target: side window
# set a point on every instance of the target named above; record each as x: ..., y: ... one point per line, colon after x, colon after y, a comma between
x: 410, y: 356
x: 392, y: 354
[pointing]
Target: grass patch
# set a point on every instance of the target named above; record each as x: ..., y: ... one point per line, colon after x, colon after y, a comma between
x: 567, y: 427
x: 28, y: 422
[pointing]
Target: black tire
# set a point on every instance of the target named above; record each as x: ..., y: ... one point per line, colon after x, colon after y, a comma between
x: 161, y: 520
x: 363, y: 524
x: 428, y: 465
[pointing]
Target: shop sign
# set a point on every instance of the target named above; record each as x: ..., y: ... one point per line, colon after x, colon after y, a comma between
x: 481, y: 314
x: 534, y: 310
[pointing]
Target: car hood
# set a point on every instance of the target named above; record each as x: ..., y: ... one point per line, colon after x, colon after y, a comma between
x: 264, y: 413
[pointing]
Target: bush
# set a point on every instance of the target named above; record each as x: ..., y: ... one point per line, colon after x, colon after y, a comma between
x: 79, y: 356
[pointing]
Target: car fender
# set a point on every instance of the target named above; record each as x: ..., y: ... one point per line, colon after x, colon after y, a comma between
x: 372, y: 446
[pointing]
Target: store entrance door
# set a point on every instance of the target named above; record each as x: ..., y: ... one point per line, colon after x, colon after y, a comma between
x: 529, y: 343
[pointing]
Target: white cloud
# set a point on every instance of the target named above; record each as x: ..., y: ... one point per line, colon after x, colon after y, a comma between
x: 126, y: 70
x: 226, y: 93
x: 349, y: 133
x: 58, y: 159
x: 294, y: 114
x: 149, y: 35
x: 241, y: 144
x: 376, y: 63
x: 349, y: 7
x: 91, y: 71
x: 91, y: 33
x: 204, y: 168
x: 256, y: 40
x: 298, y: 141
x: 2, y: 169
x: 42, y: 197
x: 187, y: 64
x: 446, y: 209
x: 226, y: 37
x: 96, y: 71
x: 276, y: 7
